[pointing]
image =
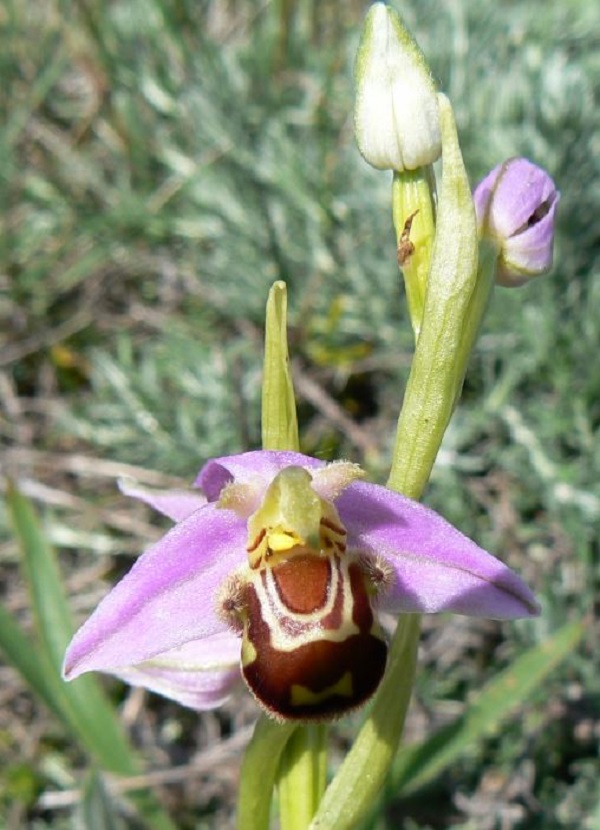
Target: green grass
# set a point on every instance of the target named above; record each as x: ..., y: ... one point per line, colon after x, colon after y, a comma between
x: 161, y: 164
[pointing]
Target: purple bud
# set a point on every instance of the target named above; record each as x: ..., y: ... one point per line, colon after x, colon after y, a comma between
x: 516, y: 205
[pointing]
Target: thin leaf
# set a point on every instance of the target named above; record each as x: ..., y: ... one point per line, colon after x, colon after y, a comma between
x: 259, y: 772
x: 84, y: 707
x: 97, y: 809
x: 28, y: 661
x: 506, y: 693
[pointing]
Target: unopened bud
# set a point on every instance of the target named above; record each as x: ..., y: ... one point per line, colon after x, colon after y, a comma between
x: 516, y: 207
x: 396, y: 116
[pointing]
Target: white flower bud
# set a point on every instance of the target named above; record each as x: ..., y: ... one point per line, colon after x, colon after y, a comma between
x: 396, y: 114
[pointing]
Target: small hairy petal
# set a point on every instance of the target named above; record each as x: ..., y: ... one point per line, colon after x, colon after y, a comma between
x: 175, y: 504
x: 201, y: 674
x: 433, y: 566
x: 256, y: 469
x: 169, y: 597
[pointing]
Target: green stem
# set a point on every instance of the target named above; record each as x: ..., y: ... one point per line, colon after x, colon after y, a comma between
x: 486, y: 279
x: 260, y: 769
x: 358, y: 782
x: 302, y: 776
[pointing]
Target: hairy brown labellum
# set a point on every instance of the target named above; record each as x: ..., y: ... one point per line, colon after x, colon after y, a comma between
x: 311, y: 646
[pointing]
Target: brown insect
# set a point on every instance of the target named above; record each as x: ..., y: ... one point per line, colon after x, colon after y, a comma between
x: 405, y: 247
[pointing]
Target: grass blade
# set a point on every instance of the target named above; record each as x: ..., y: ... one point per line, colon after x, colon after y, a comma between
x: 84, y: 707
x: 418, y: 764
x: 84, y: 704
x: 28, y: 661
x: 97, y: 809
x: 259, y: 773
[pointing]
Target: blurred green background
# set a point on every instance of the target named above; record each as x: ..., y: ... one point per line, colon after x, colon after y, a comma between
x: 161, y: 164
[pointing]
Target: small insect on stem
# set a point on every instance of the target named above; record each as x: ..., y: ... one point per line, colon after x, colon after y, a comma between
x: 405, y: 247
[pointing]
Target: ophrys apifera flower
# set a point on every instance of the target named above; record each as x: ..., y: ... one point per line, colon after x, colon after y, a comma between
x: 276, y: 574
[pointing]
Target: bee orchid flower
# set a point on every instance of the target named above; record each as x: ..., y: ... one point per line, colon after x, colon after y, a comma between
x: 277, y: 572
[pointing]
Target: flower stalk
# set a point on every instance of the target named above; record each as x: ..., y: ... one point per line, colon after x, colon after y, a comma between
x: 302, y: 776
x: 364, y: 769
x: 260, y: 771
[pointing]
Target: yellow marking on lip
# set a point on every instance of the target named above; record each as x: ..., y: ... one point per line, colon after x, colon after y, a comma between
x: 301, y: 696
x: 249, y: 653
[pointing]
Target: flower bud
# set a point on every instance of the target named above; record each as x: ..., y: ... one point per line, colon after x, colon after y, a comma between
x: 396, y: 114
x: 516, y: 205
